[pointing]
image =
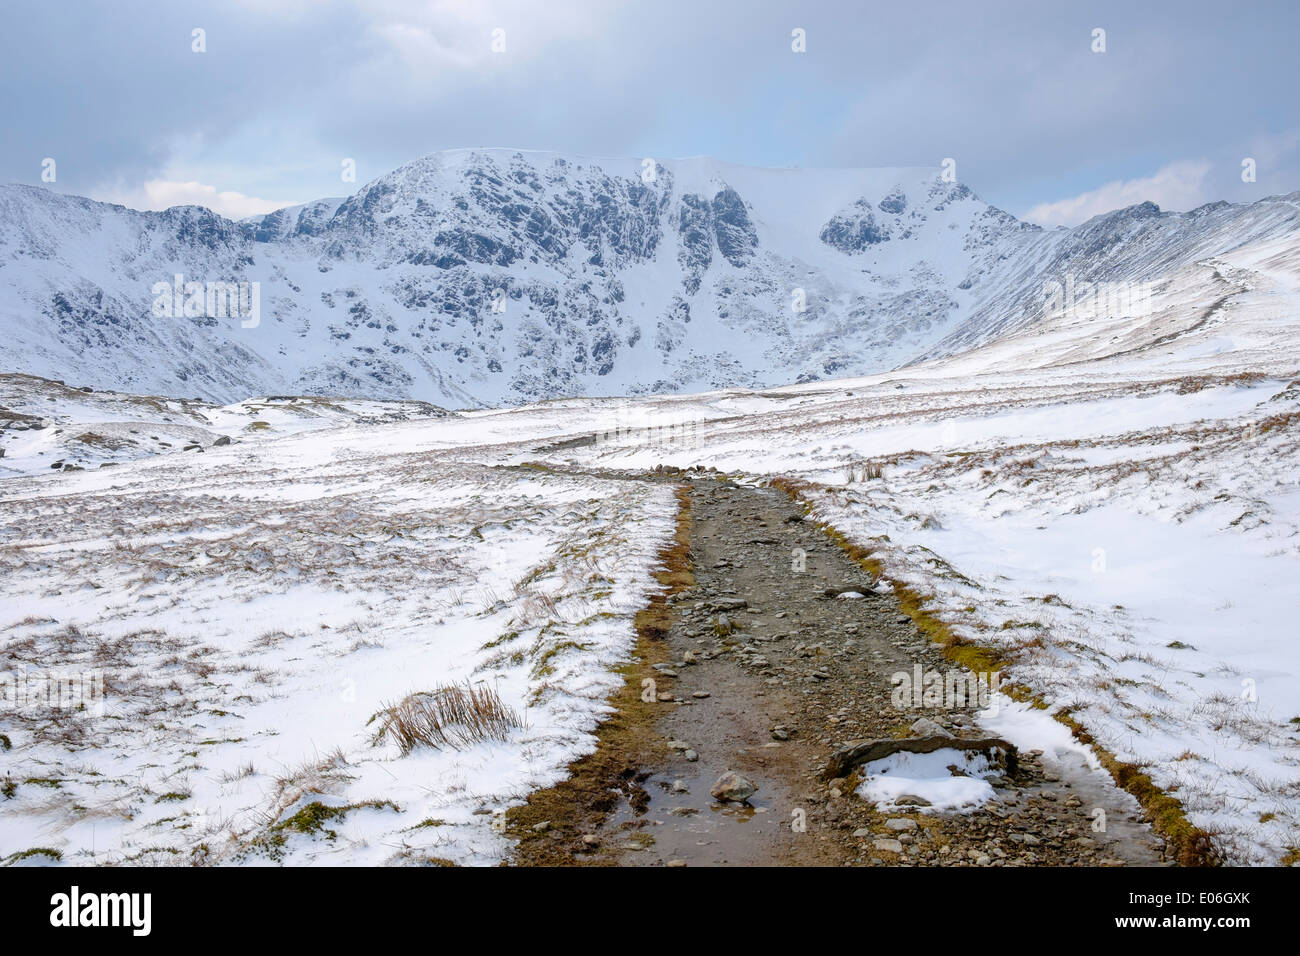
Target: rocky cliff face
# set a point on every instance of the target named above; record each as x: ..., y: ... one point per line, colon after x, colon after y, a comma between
x: 485, y: 276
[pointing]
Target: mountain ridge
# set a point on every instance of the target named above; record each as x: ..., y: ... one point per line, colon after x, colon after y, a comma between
x: 488, y: 276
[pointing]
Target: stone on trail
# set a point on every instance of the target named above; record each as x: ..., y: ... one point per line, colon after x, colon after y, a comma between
x: 730, y: 604
x: 849, y: 591
x: 732, y: 787
x: 925, y: 727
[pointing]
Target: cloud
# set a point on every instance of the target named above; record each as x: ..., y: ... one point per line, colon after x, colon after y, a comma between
x: 287, y: 90
x: 157, y: 194
x: 1179, y: 186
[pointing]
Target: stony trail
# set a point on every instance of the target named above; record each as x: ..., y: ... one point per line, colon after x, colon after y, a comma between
x: 766, y: 673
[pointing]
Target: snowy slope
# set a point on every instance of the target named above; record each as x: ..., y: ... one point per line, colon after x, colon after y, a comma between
x: 47, y: 425
x: 1138, y: 244
x: 476, y: 277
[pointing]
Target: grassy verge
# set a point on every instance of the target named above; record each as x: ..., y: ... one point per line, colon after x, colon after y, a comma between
x: 550, y: 826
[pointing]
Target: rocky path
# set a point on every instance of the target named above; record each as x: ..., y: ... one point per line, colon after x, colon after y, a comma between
x: 767, y: 672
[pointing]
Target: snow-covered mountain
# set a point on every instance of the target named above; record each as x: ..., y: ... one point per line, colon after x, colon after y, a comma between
x: 476, y: 277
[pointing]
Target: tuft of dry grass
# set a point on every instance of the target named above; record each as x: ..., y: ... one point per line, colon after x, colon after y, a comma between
x: 451, y: 715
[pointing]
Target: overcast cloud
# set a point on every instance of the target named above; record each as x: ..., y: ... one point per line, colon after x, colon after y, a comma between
x: 287, y: 90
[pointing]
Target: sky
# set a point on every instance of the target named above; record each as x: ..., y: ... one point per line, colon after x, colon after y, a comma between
x: 1043, y: 116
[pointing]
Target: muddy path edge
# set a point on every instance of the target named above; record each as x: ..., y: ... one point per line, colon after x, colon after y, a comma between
x: 549, y: 827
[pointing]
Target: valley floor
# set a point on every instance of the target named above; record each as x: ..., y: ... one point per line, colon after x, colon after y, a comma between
x: 1128, y: 549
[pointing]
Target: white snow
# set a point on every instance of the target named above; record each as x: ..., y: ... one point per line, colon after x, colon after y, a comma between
x: 928, y: 776
x: 251, y: 615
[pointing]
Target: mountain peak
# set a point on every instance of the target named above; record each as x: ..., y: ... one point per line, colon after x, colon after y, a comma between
x: 482, y: 276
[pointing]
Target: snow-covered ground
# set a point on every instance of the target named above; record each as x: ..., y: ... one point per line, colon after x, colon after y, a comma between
x: 48, y: 425
x: 251, y: 608
x: 1115, y: 505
